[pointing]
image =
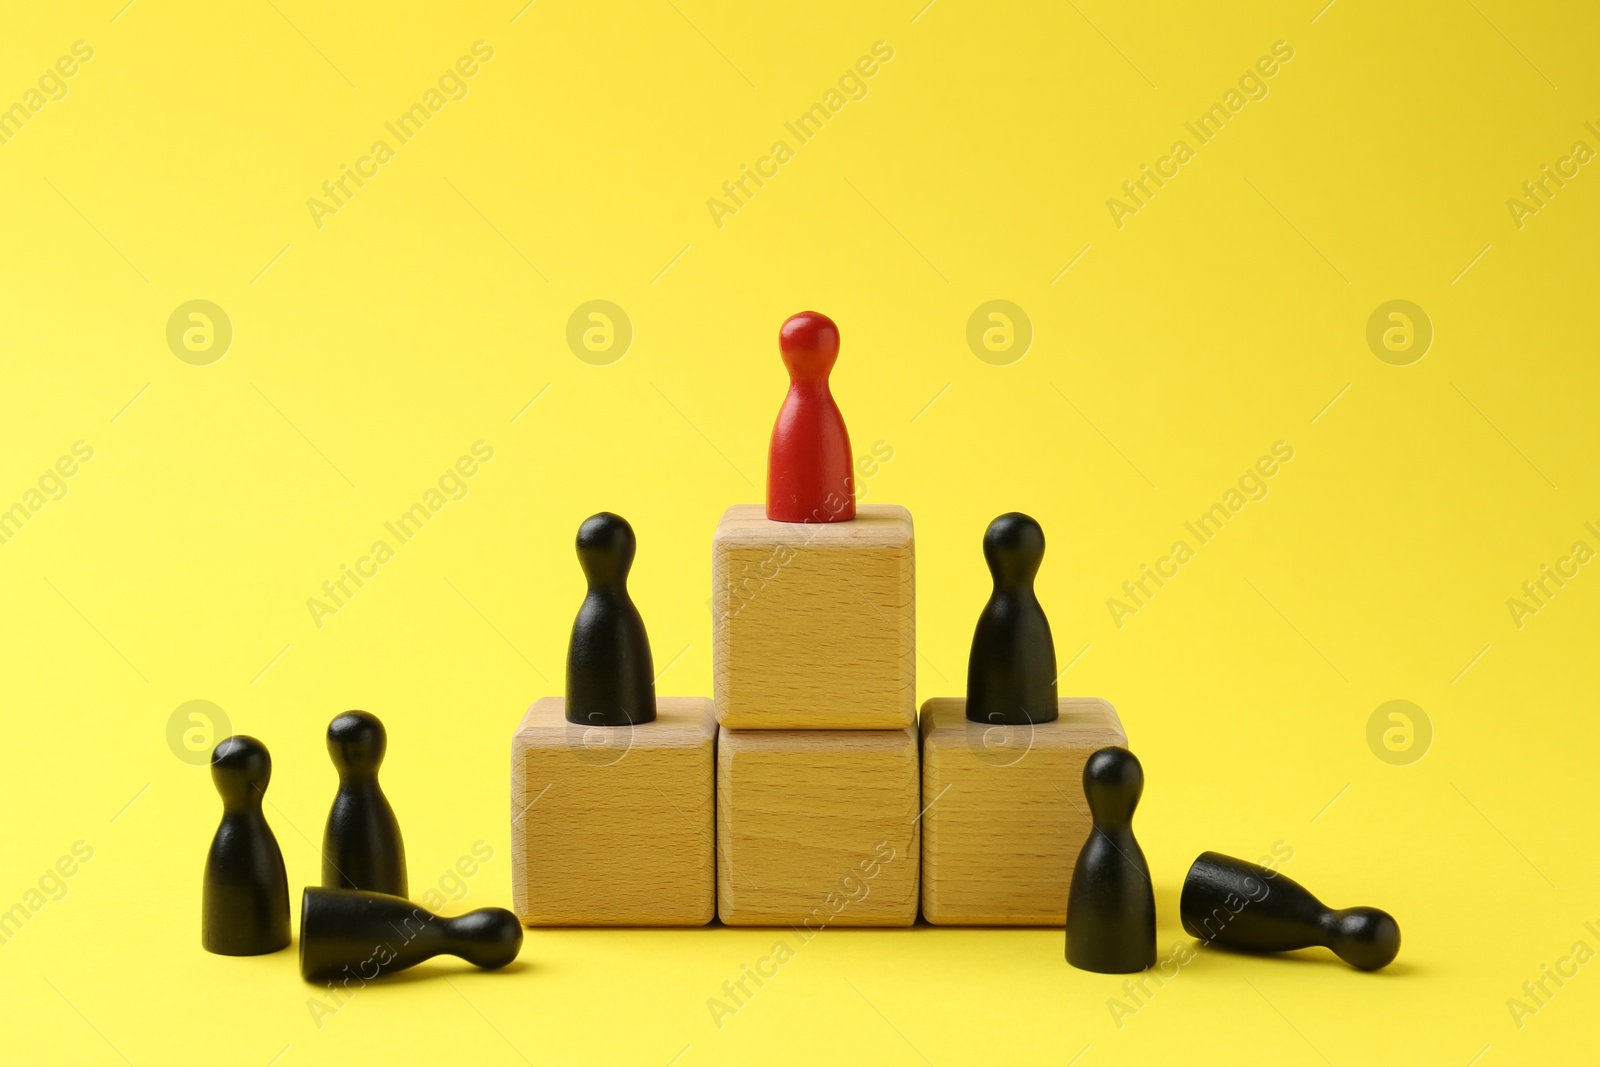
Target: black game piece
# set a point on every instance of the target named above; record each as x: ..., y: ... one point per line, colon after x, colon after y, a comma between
x: 244, y: 907
x: 1111, y: 907
x: 361, y: 848
x: 1243, y: 906
x: 360, y: 935
x: 1011, y: 676
x: 610, y: 678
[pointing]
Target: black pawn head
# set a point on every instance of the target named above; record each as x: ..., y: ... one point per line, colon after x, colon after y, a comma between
x: 241, y: 768
x: 606, y: 546
x: 1112, y: 782
x: 1013, y: 545
x: 357, y: 742
x: 1366, y: 938
x: 488, y: 937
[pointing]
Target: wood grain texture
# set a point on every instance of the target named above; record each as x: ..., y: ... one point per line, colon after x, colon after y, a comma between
x: 817, y: 828
x: 814, y: 624
x: 614, y: 826
x: 1005, y: 814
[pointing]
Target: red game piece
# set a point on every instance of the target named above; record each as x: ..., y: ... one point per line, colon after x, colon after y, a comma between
x: 808, y: 465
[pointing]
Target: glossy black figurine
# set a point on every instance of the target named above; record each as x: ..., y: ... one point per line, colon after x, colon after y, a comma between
x: 1243, y: 906
x: 1011, y: 675
x: 610, y: 677
x: 1111, y: 907
x: 244, y: 908
x: 351, y: 934
x: 361, y: 848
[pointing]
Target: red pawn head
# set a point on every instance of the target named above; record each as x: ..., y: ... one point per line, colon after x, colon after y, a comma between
x: 809, y: 342
x: 809, y: 462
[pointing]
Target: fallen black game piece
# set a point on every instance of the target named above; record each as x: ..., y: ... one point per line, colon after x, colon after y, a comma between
x: 356, y: 935
x: 610, y: 677
x: 1235, y: 903
x: 1111, y: 907
x: 361, y: 848
x: 1011, y: 675
x: 244, y: 908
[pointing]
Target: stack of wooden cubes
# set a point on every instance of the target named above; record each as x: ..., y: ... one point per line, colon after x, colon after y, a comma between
x: 818, y: 784
x: 804, y: 793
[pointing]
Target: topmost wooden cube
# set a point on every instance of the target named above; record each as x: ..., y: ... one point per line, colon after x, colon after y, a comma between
x: 814, y: 624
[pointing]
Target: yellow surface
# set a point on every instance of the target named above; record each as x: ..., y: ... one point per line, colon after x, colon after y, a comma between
x: 1228, y: 313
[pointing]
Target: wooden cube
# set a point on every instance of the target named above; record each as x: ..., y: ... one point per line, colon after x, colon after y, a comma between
x: 814, y: 624
x: 1004, y: 811
x: 613, y: 826
x: 817, y: 828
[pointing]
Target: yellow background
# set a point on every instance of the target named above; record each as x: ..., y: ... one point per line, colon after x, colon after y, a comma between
x: 1227, y: 315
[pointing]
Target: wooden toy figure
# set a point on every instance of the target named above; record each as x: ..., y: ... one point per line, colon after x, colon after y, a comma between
x: 809, y: 462
x: 1111, y: 908
x: 244, y: 909
x: 1243, y: 906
